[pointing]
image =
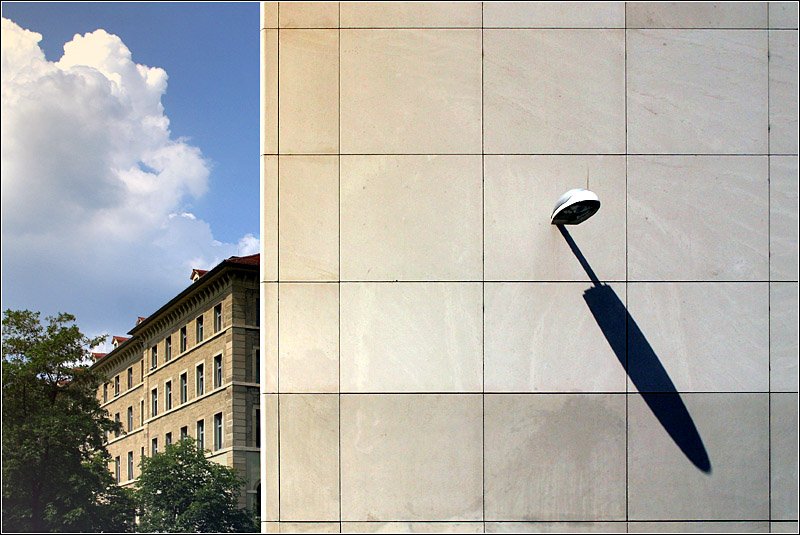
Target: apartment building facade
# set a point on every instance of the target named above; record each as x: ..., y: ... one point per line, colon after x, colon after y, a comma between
x: 439, y: 357
x: 191, y: 369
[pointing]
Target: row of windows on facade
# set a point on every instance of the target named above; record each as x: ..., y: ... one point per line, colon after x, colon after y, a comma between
x: 184, y: 392
x: 199, y: 336
x: 184, y: 433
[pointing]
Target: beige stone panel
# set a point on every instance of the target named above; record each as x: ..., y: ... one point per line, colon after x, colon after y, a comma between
x: 784, y: 208
x: 309, y: 92
x: 783, y: 456
x: 309, y: 344
x: 269, y: 91
x: 269, y: 338
x: 531, y: 342
x: 783, y: 15
x: 783, y: 122
x: 697, y: 14
x: 269, y: 457
x: 554, y: 15
x: 269, y: 15
x: 309, y: 218
x: 411, y: 217
x: 698, y: 527
x: 411, y: 91
x: 411, y: 337
x: 521, y: 244
x: 555, y: 527
x: 783, y: 339
x: 309, y: 14
x: 309, y: 527
x: 783, y: 527
x: 698, y: 218
x: 412, y: 527
x: 309, y: 456
x: 411, y: 14
x: 411, y: 457
x: 555, y: 456
x: 534, y: 105
x: 709, y: 337
x: 269, y: 218
x: 734, y: 433
x: 697, y: 91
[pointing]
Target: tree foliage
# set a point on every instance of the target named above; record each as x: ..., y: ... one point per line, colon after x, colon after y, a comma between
x: 55, y: 464
x: 180, y: 490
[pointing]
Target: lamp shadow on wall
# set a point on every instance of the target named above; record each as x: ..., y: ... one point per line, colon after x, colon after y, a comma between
x: 642, y: 365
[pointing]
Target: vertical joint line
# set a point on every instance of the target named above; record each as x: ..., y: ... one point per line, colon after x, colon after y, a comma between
x: 769, y: 284
x: 339, y: 235
x: 278, y: 259
x: 627, y: 297
x: 483, y: 287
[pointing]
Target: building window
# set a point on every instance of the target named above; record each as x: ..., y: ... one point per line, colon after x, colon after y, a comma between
x: 168, y: 395
x: 218, y: 371
x: 218, y: 318
x: 142, y: 454
x: 257, y: 427
x: 130, y: 377
x: 154, y: 446
x: 141, y: 370
x: 167, y: 439
x: 184, y: 432
x: 184, y: 388
x: 199, y: 329
x: 183, y: 339
x: 116, y: 419
x: 141, y: 412
x: 116, y: 385
x: 168, y: 349
x: 105, y: 392
x: 258, y: 311
x: 201, y: 427
x: 199, y: 380
x: 153, y: 357
x: 116, y: 468
x: 130, y: 465
x: 218, y: 431
x: 257, y: 359
x: 154, y: 402
x: 130, y: 418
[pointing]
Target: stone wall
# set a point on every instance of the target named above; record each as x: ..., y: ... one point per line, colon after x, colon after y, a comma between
x: 437, y: 356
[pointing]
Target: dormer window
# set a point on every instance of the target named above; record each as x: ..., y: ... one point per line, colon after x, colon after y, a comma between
x: 197, y: 273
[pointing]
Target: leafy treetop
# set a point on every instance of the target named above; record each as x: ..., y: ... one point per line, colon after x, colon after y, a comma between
x: 180, y: 490
x: 55, y: 464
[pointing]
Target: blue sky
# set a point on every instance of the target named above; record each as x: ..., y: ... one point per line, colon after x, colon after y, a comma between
x: 131, y: 159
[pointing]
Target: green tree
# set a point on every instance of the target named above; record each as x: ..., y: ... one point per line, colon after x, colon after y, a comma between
x: 180, y: 490
x: 55, y: 464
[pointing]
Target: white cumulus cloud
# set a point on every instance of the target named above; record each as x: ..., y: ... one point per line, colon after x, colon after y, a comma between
x: 95, y: 189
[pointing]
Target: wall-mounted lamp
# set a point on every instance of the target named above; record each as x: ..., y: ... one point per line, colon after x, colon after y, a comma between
x: 575, y: 206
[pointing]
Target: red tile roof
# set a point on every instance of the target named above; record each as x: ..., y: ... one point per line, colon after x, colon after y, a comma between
x: 251, y: 260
